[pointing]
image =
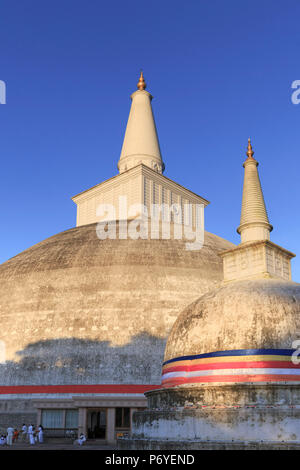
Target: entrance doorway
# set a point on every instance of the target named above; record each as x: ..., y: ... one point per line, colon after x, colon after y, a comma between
x: 96, y: 424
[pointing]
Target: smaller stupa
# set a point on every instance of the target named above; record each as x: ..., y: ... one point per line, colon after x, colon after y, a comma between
x: 231, y: 371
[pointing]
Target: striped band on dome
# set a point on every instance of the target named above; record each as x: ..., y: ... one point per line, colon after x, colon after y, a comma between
x: 239, y: 365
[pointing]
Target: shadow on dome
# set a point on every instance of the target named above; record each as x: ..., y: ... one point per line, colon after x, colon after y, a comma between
x: 83, y: 361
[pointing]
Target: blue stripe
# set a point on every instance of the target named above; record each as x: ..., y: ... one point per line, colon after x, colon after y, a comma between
x: 236, y: 352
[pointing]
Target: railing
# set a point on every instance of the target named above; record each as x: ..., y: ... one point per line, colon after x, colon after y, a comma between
x: 122, y: 433
x: 66, y: 433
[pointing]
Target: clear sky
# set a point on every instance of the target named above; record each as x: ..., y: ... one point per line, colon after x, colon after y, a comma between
x: 220, y: 71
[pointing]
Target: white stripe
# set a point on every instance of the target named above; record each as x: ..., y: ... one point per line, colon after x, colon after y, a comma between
x: 253, y: 371
x: 175, y: 374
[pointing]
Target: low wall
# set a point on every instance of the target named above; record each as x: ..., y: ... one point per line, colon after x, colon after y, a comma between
x: 151, y: 444
x: 15, y: 413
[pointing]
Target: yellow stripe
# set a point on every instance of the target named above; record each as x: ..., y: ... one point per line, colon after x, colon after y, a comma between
x: 209, y: 360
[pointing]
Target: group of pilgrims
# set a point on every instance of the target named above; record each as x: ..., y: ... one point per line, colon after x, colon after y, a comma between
x: 28, y: 434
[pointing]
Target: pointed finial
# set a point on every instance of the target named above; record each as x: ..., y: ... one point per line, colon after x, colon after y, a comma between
x: 249, y: 152
x: 141, y: 83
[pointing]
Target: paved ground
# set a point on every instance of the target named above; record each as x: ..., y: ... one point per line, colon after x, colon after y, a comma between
x: 57, y: 446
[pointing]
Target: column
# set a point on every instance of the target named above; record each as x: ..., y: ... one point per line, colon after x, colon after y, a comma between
x: 82, y: 412
x: 39, y: 416
x: 110, y: 429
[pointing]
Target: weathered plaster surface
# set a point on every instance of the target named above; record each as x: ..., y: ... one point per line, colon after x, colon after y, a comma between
x: 274, y: 395
x: 75, y: 309
x: 242, y: 315
x: 153, y: 444
x: 226, y: 424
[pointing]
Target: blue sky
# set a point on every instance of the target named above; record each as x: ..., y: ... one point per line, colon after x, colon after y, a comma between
x: 220, y: 71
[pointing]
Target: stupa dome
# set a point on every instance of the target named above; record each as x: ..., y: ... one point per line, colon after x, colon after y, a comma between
x: 76, y: 309
x: 257, y: 317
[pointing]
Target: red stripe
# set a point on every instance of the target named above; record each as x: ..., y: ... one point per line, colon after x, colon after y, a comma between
x: 76, y: 388
x: 236, y: 365
x: 232, y: 378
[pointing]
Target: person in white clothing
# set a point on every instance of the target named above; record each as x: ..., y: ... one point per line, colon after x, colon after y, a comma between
x: 31, y: 434
x: 41, y: 434
x: 24, y: 432
x: 10, y: 433
x: 81, y: 439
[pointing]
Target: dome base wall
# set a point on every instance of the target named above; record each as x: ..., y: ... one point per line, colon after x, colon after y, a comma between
x: 152, y: 444
x: 219, y: 416
x: 246, y: 394
x: 262, y: 424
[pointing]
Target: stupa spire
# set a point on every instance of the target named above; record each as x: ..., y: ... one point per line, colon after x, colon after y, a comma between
x: 254, y: 223
x: 140, y: 143
x: 141, y: 83
x: 249, y: 152
x: 256, y: 256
